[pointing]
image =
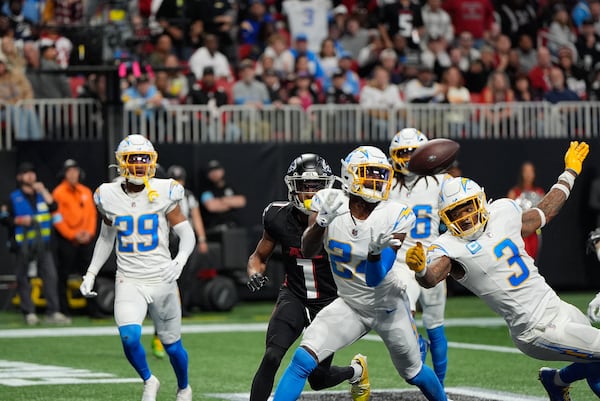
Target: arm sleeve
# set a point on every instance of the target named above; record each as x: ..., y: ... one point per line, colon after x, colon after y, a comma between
x: 377, y: 270
x: 103, y: 248
x: 187, y: 241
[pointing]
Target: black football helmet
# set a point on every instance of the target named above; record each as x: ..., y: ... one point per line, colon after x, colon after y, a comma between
x: 307, y: 174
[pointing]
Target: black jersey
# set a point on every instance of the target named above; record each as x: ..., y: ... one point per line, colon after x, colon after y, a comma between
x: 310, y: 280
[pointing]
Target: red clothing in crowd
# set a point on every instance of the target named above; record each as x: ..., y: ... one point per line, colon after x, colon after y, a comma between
x: 475, y: 16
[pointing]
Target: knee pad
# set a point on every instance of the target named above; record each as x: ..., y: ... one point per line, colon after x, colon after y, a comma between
x: 130, y: 334
x: 303, y: 362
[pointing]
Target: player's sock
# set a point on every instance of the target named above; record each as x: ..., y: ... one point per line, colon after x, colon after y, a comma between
x: 179, y: 360
x: 292, y: 382
x: 429, y: 384
x: 328, y: 376
x: 593, y: 377
x: 423, y: 347
x: 572, y: 373
x: 134, y: 351
x: 262, y: 384
x: 439, y: 351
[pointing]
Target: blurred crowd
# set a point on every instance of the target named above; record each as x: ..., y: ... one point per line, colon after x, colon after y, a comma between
x: 377, y: 53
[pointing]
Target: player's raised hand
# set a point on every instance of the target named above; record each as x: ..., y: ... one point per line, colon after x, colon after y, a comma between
x: 87, y: 286
x: 256, y: 282
x: 575, y: 156
x: 172, y: 271
x: 594, y: 309
x: 415, y: 257
x: 327, y: 203
x: 383, y: 240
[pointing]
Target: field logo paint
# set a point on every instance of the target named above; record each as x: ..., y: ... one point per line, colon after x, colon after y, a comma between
x: 20, y: 374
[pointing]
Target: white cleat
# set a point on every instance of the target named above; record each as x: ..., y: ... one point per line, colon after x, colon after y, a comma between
x: 184, y: 394
x: 151, y: 387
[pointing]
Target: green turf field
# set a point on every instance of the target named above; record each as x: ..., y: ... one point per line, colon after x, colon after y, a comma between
x: 225, y: 361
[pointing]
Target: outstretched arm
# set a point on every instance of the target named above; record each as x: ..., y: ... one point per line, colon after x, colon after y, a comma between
x: 312, y: 239
x: 427, y: 275
x: 554, y: 200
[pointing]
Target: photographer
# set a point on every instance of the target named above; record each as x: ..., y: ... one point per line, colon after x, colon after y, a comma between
x: 29, y: 216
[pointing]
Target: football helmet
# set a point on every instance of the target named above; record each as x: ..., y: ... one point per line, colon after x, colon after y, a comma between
x: 136, y: 158
x: 463, y: 207
x: 307, y: 174
x: 403, y: 145
x: 367, y: 173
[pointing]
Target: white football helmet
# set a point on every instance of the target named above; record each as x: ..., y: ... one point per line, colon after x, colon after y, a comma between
x: 403, y: 145
x: 137, y: 159
x: 367, y: 173
x: 463, y: 207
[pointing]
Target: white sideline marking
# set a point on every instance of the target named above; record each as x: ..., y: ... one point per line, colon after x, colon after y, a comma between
x: 489, y: 395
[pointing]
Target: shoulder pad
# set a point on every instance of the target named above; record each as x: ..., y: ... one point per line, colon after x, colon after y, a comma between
x: 176, y: 190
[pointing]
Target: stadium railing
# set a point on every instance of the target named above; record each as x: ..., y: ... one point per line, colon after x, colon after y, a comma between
x: 80, y: 119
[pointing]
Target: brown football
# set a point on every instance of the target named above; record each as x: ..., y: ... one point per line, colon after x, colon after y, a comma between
x: 433, y: 157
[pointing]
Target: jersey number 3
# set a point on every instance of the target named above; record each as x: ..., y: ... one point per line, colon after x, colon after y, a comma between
x: 146, y: 224
x: 514, y: 259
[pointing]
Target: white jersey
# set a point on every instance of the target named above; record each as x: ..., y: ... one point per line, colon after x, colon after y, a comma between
x: 308, y: 17
x: 422, y: 198
x: 497, y: 268
x: 142, y: 245
x: 347, y: 243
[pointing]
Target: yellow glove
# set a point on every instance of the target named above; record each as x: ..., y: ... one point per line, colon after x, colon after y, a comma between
x: 575, y: 155
x: 415, y: 257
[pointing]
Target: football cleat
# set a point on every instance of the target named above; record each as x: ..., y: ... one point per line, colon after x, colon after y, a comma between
x: 151, y: 387
x: 184, y: 394
x: 361, y: 388
x: 31, y: 319
x: 157, y: 348
x: 555, y: 391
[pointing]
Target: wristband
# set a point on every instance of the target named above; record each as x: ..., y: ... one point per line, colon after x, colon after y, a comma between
x: 562, y: 187
x: 422, y: 272
x: 568, y: 178
x: 201, y: 240
x: 542, y: 216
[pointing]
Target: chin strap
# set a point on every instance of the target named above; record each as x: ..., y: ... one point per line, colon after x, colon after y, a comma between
x: 152, y: 194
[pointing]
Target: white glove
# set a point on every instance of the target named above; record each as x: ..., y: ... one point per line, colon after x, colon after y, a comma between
x: 87, y: 285
x: 383, y: 240
x: 328, y: 203
x: 172, y: 271
x: 594, y: 309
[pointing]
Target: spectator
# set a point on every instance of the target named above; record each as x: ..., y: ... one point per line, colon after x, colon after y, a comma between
x: 476, y: 77
x: 255, y: 29
x: 467, y: 51
x: 456, y: 94
x: 194, y: 39
x: 51, y: 36
x: 301, y: 49
x: 303, y: 93
x: 354, y: 37
x: 170, y: 19
x: 29, y: 216
x: 368, y: 57
x: 522, y: 88
x: 474, y: 16
x: 52, y: 85
x: 314, y: 28
x: 526, y: 52
x: 498, y: 94
x: 423, y: 88
x: 576, y: 77
x: 528, y: 195
x: 517, y: 18
x: 277, y: 92
x: 559, y: 92
x: 379, y: 97
x: 21, y: 24
x: 68, y: 12
x: 389, y: 60
x: 437, y: 25
x: 582, y: 12
x: 191, y: 209
x: 15, y: 60
x: 503, y: 47
x: 403, y: 17
x: 337, y: 93
x: 143, y: 97
x: 208, y: 91
x: 560, y: 32
x: 588, y: 46
x: 328, y: 58
x: 435, y: 55
x: 220, y: 200
x: 75, y: 232
x: 162, y: 49
x: 283, y: 59
x: 209, y: 56
x: 539, y: 75
x: 340, y: 17
x: 93, y: 88
x: 15, y: 87
x: 248, y: 90
x: 177, y: 82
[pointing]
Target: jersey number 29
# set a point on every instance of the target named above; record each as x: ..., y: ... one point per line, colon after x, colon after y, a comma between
x: 146, y: 224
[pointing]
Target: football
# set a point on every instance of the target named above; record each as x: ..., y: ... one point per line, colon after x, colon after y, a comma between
x: 433, y: 157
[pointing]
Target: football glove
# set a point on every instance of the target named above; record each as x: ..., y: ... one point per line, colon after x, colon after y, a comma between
x: 594, y: 309
x: 415, y: 258
x: 172, y: 271
x: 593, y: 238
x: 256, y: 282
x: 328, y: 208
x: 575, y: 156
x: 383, y: 240
x: 87, y: 286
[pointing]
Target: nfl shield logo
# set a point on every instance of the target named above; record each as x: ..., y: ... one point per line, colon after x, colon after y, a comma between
x: 354, y: 232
